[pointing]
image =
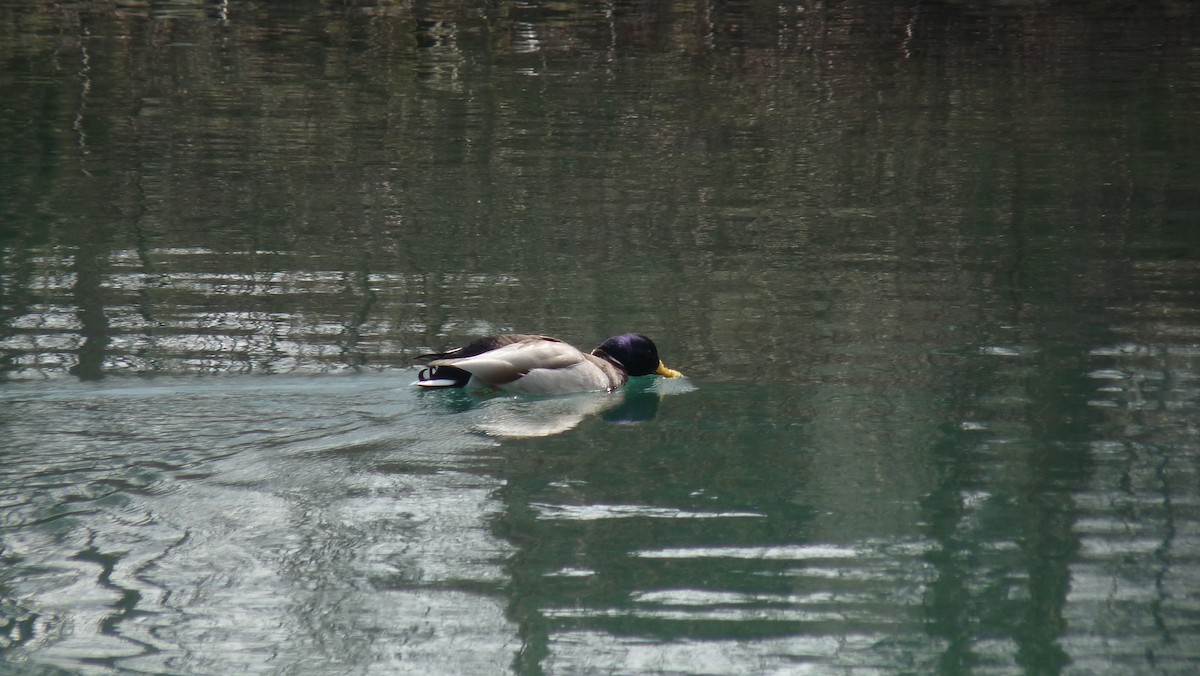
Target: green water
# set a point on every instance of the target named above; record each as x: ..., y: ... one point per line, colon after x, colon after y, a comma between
x: 932, y: 270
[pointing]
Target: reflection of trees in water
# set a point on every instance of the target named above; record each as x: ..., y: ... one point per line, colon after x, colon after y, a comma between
x: 1020, y: 560
x: 382, y: 141
x: 1003, y: 517
x: 581, y: 507
x: 183, y: 320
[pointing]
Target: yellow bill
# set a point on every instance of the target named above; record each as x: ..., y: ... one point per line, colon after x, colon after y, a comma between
x: 667, y: 372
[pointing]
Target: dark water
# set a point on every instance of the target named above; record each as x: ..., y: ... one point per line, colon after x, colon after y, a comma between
x: 933, y: 271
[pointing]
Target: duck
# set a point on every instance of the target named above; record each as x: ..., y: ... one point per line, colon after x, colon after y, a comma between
x: 534, y: 364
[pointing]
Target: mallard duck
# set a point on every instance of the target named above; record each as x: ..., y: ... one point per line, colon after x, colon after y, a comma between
x: 542, y: 365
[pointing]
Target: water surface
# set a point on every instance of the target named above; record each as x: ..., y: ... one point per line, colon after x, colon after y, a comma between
x: 933, y: 271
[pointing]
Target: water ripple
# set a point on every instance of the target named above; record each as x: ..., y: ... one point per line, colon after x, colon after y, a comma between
x: 598, y: 512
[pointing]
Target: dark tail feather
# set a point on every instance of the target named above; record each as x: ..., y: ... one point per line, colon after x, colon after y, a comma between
x: 437, y: 377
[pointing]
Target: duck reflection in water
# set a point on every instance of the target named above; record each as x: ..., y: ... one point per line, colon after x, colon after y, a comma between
x: 508, y: 416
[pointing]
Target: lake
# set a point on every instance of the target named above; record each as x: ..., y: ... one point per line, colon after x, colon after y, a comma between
x: 932, y: 271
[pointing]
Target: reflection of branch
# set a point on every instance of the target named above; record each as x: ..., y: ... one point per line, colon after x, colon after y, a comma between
x: 351, y: 353
x: 85, y: 88
x: 93, y: 322
x: 1162, y: 553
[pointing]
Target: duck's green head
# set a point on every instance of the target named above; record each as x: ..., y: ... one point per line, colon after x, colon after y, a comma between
x: 637, y: 354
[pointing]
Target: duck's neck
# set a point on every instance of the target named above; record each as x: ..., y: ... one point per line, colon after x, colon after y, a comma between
x: 608, y: 358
